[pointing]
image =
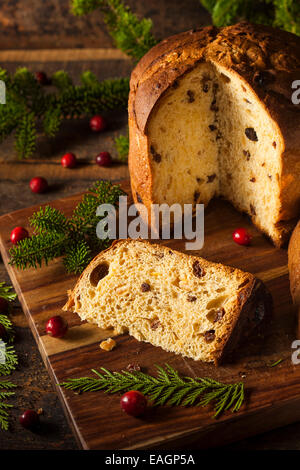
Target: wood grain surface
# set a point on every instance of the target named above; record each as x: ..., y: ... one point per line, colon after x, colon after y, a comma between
x: 50, y: 24
x: 273, y: 394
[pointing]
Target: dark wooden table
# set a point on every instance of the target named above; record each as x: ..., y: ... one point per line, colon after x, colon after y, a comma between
x: 35, y: 390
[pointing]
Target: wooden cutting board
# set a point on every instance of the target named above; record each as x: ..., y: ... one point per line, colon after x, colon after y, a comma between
x: 272, y: 393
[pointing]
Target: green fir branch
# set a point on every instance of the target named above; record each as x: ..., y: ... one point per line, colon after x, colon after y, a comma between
x: 52, y: 121
x: 88, y: 79
x: 84, y: 217
x: 77, y: 257
x: 74, y: 238
x: 130, y: 34
x: 5, y: 321
x: 276, y: 13
x: 61, y: 80
x: 31, y: 252
x: 26, y: 136
x: 122, y: 145
x: 49, y: 219
x: 6, y: 292
x: 80, y: 101
x: 27, y: 102
x: 166, y: 388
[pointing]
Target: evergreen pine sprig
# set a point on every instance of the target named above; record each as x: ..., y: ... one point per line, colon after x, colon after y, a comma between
x: 5, y: 321
x: 74, y: 238
x: 27, y: 103
x: 26, y: 136
x: 6, y: 292
x: 166, y: 388
x: 276, y: 13
x: 130, y: 34
x: 5, y: 393
x: 122, y: 145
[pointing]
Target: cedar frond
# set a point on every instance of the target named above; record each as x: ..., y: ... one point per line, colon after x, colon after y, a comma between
x: 166, y: 388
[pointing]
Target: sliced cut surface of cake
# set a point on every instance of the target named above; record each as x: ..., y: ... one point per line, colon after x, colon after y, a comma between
x: 182, y: 303
x: 210, y: 114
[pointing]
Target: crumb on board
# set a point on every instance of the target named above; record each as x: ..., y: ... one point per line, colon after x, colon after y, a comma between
x: 108, y: 344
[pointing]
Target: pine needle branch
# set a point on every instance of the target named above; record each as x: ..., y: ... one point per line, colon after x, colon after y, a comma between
x: 49, y: 219
x: 31, y: 252
x: 84, y: 217
x: 27, y: 102
x: 5, y: 321
x: 6, y: 292
x: 26, y: 136
x: 122, y: 145
x: 276, y: 13
x: 166, y: 388
x: 130, y: 34
x: 77, y: 257
x: 74, y: 238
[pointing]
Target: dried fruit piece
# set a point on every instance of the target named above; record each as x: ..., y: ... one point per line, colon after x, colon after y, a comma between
x: 191, y: 298
x: 213, y: 106
x: 155, y: 324
x: 108, y: 344
x: 209, y: 336
x: 198, y: 271
x: 210, y: 178
x: 196, y: 196
x: 251, y: 134
x: 156, y: 156
x: 145, y: 287
x: 191, y: 96
x: 219, y: 314
x: 247, y: 154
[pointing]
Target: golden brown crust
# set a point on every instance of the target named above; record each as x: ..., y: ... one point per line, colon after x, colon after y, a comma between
x: 268, y: 60
x: 294, y: 264
x: 243, y: 316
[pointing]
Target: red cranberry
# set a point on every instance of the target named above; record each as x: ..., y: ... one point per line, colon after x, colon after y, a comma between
x: 57, y: 327
x: 3, y: 305
x: 97, y: 123
x: 42, y: 78
x: 18, y: 234
x: 241, y: 236
x: 38, y: 185
x: 69, y: 160
x: 104, y: 159
x: 2, y: 332
x: 134, y: 403
x: 29, y: 419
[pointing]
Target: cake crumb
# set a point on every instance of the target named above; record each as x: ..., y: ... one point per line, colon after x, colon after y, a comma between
x: 108, y: 344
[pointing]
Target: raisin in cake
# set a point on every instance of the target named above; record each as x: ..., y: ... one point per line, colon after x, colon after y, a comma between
x: 210, y: 114
x: 179, y: 302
